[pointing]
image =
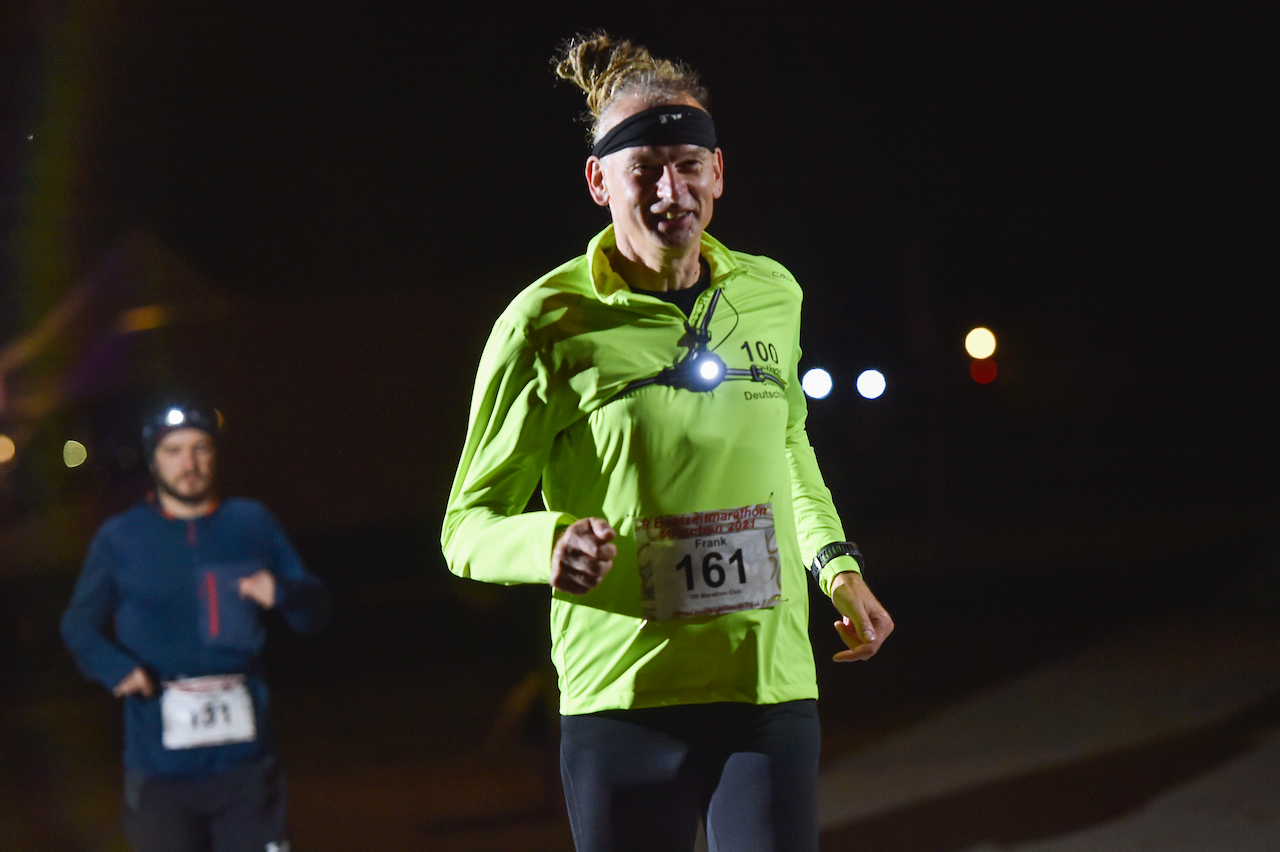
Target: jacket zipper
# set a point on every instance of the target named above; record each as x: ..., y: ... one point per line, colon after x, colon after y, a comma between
x: 211, y: 589
x: 210, y: 585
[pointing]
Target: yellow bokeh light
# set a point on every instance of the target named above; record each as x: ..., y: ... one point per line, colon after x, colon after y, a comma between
x: 8, y: 449
x: 980, y: 343
x: 74, y: 453
x: 144, y: 319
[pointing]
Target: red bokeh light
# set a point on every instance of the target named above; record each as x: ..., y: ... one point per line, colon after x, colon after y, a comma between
x: 983, y: 370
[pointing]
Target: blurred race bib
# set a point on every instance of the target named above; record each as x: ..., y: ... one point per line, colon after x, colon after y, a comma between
x: 207, y: 711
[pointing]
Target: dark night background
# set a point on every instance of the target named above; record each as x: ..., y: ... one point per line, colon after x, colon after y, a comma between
x: 332, y: 203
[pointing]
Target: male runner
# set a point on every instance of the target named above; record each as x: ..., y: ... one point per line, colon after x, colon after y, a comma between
x: 169, y: 614
x: 651, y: 384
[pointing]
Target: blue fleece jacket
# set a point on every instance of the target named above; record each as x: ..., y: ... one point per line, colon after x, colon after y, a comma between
x: 162, y: 593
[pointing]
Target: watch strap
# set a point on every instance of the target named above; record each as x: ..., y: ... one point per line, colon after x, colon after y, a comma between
x: 831, y: 551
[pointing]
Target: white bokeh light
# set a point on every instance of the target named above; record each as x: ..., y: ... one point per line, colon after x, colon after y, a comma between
x: 816, y: 383
x: 871, y: 383
x: 174, y: 417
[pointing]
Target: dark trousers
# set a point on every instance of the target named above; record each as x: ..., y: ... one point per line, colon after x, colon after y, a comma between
x: 240, y: 810
x: 644, y: 779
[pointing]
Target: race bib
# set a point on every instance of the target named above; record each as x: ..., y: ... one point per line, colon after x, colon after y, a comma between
x: 707, y: 563
x: 207, y: 711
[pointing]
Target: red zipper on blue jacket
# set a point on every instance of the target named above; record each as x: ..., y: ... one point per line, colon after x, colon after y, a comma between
x: 210, y: 580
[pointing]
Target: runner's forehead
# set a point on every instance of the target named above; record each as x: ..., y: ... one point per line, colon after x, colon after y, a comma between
x: 184, y: 435
x: 664, y: 153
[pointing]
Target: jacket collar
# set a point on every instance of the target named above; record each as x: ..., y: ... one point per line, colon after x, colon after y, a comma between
x: 154, y: 502
x: 610, y: 287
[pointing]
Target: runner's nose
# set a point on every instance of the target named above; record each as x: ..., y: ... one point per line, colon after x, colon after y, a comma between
x: 671, y: 186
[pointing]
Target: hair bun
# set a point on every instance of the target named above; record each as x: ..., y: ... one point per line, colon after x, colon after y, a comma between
x: 604, y: 69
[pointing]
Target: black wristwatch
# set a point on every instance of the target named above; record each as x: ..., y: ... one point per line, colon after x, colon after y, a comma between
x: 831, y: 551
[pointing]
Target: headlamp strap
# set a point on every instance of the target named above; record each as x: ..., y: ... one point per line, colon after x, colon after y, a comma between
x: 699, y: 336
x: 703, y: 335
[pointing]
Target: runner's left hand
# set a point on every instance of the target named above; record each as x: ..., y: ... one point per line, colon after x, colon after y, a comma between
x: 865, y: 625
x: 260, y: 586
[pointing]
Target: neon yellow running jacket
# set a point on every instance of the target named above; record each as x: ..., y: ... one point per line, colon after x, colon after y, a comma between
x: 547, y: 406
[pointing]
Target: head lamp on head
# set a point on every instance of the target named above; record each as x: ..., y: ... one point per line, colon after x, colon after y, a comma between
x: 177, y: 416
x: 665, y: 124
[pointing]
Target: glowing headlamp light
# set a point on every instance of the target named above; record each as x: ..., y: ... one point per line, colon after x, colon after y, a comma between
x: 703, y: 371
x: 174, y: 417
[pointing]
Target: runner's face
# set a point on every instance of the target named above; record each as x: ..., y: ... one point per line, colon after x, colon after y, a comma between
x: 183, y: 465
x: 660, y: 196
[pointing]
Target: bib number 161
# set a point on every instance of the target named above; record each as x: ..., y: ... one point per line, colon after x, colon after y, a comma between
x: 713, y: 570
x: 708, y: 563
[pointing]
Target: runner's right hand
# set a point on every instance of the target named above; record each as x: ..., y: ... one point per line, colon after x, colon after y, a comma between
x: 583, y: 555
x: 134, y: 682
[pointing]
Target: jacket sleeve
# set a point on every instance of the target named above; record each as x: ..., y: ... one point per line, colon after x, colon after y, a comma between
x: 817, y: 523
x: 85, y: 623
x: 301, y: 596
x: 487, y: 534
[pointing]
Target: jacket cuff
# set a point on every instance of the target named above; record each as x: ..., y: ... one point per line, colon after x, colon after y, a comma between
x: 838, y: 565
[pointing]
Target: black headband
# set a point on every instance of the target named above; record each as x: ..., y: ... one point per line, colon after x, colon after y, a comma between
x: 667, y: 124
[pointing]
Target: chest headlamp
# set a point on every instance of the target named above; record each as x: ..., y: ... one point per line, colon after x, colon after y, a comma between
x: 701, y: 370
x: 708, y: 369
